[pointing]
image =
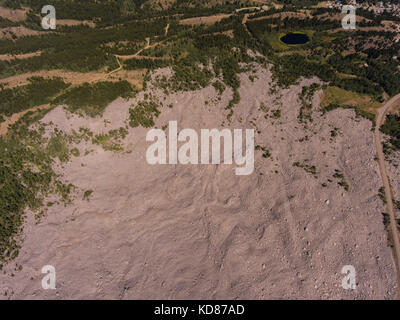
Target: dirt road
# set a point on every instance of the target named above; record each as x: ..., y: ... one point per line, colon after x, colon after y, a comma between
x: 385, y: 179
x: 136, y: 55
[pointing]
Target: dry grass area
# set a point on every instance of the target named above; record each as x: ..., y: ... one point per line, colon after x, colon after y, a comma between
x: 8, y: 57
x: 68, y: 76
x: 321, y: 4
x: 389, y: 25
x: 248, y: 8
x: 376, y: 28
x: 13, y: 15
x: 204, y: 20
x: 336, y: 95
x: 228, y: 33
x: 70, y: 22
x: 290, y: 52
x: 135, y: 77
x: 11, y: 32
x: 283, y: 15
x: 277, y: 5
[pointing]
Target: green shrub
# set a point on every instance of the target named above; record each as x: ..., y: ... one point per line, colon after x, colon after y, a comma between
x: 391, y: 127
x: 143, y: 114
x: 26, y: 178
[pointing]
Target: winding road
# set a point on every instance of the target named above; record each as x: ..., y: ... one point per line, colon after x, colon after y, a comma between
x: 136, y: 55
x: 386, y: 182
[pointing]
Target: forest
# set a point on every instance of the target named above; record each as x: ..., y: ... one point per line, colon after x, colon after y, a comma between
x: 24, y: 97
x: 92, y: 99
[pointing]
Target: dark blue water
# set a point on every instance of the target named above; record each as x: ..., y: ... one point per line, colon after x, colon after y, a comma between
x: 295, y: 38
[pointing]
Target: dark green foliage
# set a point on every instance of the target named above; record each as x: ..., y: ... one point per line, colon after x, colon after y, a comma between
x: 92, y: 99
x: 376, y: 70
x: 111, y: 141
x: 87, y: 194
x: 80, y: 9
x: 289, y: 68
x: 39, y: 91
x: 265, y: 152
x: 307, y: 168
x: 334, y: 132
x: 396, y: 204
x: 143, y: 63
x: 109, y: 12
x: 82, y: 49
x: 342, y: 181
x: 219, y: 86
x: 26, y: 177
x: 83, y: 60
x: 382, y: 195
x: 190, y: 76
x: 306, y: 95
x: 5, y: 23
x: 386, y: 220
x: 228, y: 65
x: 385, y: 74
x: 360, y: 85
x: 12, y: 4
x: 276, y: 114
x: 143, y: 113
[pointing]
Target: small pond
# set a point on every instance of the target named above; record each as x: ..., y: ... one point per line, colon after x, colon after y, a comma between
x: 295, y: 38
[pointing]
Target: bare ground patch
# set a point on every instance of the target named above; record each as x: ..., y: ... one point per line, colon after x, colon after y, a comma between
x: 204, y: 20
x: 9, y: 57
x: 200, y: 231
x: 13, y: 15
x: 12, y: 32
x: 71, y: 22
x: 75, y: 78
